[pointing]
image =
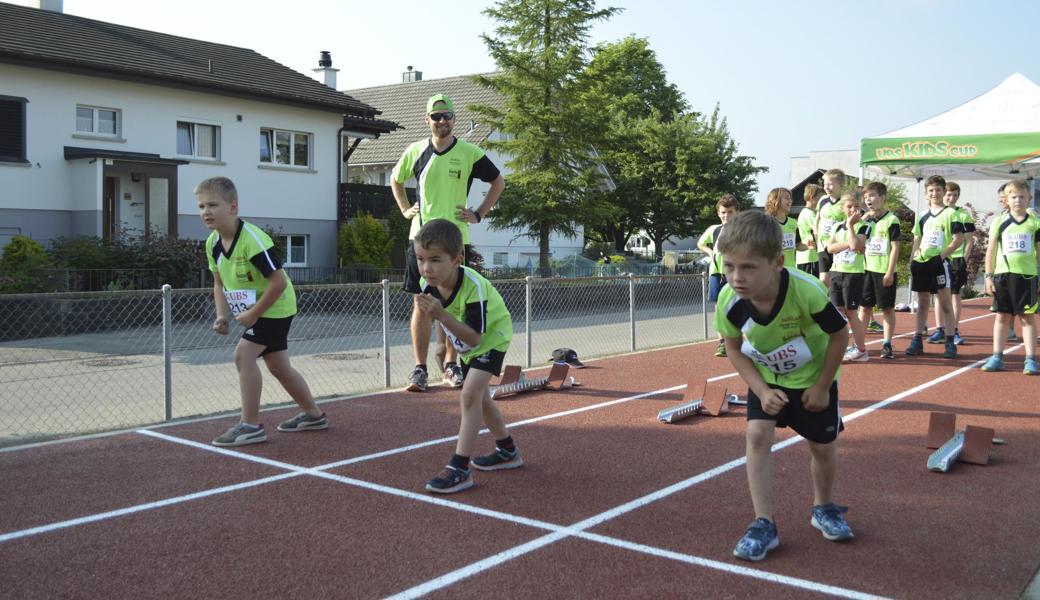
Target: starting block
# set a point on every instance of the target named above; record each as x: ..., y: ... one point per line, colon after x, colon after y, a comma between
x: 972, y: 445
x: 513, y: 381
x: 714, y: 400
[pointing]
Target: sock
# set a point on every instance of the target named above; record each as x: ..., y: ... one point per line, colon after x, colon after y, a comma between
x: 459, y: 462
x: 999, y: 355
x: 449, y: 365
x: 421, y: 366
x: 506, y: 444
x: 949, y: 339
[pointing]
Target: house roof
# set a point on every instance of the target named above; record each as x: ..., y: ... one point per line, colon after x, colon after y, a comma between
x: 52, y: 40
x: 405, y: 103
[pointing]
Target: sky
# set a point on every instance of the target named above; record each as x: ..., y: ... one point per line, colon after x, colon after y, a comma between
x: 790, y: 77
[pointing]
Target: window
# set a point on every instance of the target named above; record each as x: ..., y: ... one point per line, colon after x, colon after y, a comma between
x: 100, y: 121
x: 500, y: 259
x: 198, y: 140
x: 295, y: 250
x: 12, y: 129
x: 290, y: 148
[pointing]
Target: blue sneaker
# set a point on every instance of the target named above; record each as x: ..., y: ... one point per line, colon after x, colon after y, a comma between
x: 1031, y: 367
x: 916, y: 346
x: 957, y: 339
x: 938, y: 336
x: 951, y: 349
x: 994, y: 363
x: 759, y: 539
x: 829, y: 519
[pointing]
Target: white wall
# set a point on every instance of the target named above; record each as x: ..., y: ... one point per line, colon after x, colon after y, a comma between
x: 149, y: 116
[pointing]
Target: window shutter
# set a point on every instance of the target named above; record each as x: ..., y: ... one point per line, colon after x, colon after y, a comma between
x: 12, y: 129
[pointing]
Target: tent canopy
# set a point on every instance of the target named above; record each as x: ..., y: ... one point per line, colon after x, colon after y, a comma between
x: 996, y: 135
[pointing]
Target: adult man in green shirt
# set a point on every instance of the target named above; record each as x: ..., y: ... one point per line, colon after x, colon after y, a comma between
x: 444, y: 168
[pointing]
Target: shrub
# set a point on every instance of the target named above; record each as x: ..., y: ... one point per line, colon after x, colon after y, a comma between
x: 364, y: 240
x: 23, y: 267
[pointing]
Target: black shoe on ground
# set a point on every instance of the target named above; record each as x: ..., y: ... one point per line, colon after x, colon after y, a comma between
x: 498, y: 460
x: 304, y: 422
x: 886, y: 351
x: 450, y: 480
x: 417, y: 380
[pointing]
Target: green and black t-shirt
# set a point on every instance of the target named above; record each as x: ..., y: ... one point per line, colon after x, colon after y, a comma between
x: 444, y: 179
x: 1016, y: 244
x: 883, y: 231
x: 964, y: 216
x: 806, y: 223
x: 848, y: 260
x: 788, y: 346
x: 245, y: 267
x: 792, y: 237
x: 936, y: 230
x: 478, y: 304
x: 831, y: 213
x: 710, y: 237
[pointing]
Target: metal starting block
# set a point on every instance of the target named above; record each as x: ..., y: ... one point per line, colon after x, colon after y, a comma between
x: 714, y: 400
x: 972, y: 445
x: 513, y: 381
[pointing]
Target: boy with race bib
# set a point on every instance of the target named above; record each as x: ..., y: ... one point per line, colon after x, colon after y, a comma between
x: 958, y: 268
x: 828, y: 215
x: 1011, y: 275
x: 847, y: 244
x: 250, y: 285
x: 477, y: 323
x: 778, y: 204
x: 881, y: 256
x: 808, y: 259
x: 937, y: 233
x: 786, y: 340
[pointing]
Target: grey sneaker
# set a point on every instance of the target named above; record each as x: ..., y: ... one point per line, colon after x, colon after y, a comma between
x: 829, y: 519
x: 450, y: 480
x: 417, y: 380
x: 453, y: 375
x: 759, y: 539
x: 304, y: 422
x: 241, y: 435
x: 498, y: 460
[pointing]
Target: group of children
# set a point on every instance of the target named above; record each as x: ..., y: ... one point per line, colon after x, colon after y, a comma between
x: 788, y: 292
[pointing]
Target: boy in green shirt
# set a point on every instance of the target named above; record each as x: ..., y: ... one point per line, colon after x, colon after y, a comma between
x: 477, y: 324
x: 881, y: 257
x: 250, y: 284
x: 937, y: 233
x: 786, y: 340
x: 725, y: 208
x: 1011, y: 275
x: 808, y: 259
x: 958, y: 267
x: 847, y: 244
x: 828, y: 215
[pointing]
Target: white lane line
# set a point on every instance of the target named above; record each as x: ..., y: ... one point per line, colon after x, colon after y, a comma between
x: 472, y: 569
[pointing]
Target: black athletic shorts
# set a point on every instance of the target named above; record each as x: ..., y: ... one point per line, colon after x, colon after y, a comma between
x: 272, y: 333
x: 490, y: 362
x: 824, y: 260
x: 875, y: 294
x: 958, y: 274
x: 820, y: 427
x: 846, y: 289
x: 930, y: 276
x: 812, y: 268
x: 411, y: 267
x: 1016, y: 294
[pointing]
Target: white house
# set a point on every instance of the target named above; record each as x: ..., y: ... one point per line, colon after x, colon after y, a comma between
x: 405, y: 104
x: 106, y: 128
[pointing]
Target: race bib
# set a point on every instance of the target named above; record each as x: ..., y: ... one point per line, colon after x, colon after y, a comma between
x: 826, y: 226
x: 876, y: 247
x: 789, y: 356
x: 846, y: 257
x: 1016, y: 243
x: 789, y: 241
x: 459, y: 345
x: 240, y: 300
x: 933, y: 239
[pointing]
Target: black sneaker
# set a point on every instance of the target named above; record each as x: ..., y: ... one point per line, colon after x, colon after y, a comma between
x: 916, y: 347
x: 498, y: 460
x: 450, y: 480
x: 417, y: 380
x: 304, y: 422
x: 951, y: 349
x: 241, y: 435
x: 886, y: 351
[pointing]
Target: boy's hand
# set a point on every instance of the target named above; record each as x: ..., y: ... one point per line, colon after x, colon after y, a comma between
x: 411, y: 211
x: 246, y: 318
x: 991, y: 288
x: 429, y: 306
x: 855, y: 218
x: 888, y: 280
x: 773, y: 402
x: 220, y: 325
x: 809, y: 241
x: 816, y: 398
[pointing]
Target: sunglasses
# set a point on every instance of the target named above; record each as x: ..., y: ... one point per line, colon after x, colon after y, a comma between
x: 445, y: 116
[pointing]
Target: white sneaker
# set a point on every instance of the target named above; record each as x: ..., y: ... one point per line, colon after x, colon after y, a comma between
x: 854, y: 354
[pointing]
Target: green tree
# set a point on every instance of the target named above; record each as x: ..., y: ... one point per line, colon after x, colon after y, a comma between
x: 541, y: 49
x: 364, y: 240
x: 624, y: 83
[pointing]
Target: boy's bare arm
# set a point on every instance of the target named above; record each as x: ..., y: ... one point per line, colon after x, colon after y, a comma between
x: 858, y: 243
x: 835, y: 247
x: 219, y: 301
x: 401, y: 197
x: 987, y: 267
x: 916, y: 247
x: 817, y: 397
x: 433, y: 308
x: 893, y: 259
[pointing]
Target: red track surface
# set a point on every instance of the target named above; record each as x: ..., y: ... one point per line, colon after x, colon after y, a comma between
x: 367, y: 529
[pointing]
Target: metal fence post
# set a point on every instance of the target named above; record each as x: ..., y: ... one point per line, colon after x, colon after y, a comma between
x: 632, y: 311
x: 167, y: 347
x: 704, y: 302
x: 386, y: 332
x: 527, y: 317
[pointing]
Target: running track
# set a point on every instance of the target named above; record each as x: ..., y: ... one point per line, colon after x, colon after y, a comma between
x: 610, y: 503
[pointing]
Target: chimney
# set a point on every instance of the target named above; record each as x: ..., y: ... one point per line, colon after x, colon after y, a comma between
x: 411, y: 75
x: 51, y: 5
x: 325, y: 67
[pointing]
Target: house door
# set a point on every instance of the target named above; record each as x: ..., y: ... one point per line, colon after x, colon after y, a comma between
x: 160, y: 199
x: 109, y: 208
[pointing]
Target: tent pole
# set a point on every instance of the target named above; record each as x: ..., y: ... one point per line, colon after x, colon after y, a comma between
x: 861, y: 174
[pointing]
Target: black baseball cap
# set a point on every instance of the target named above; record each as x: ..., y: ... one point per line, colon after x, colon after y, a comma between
x: 566, y: 355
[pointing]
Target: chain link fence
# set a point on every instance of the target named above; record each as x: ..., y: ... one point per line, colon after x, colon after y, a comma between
x: 75, y: 363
